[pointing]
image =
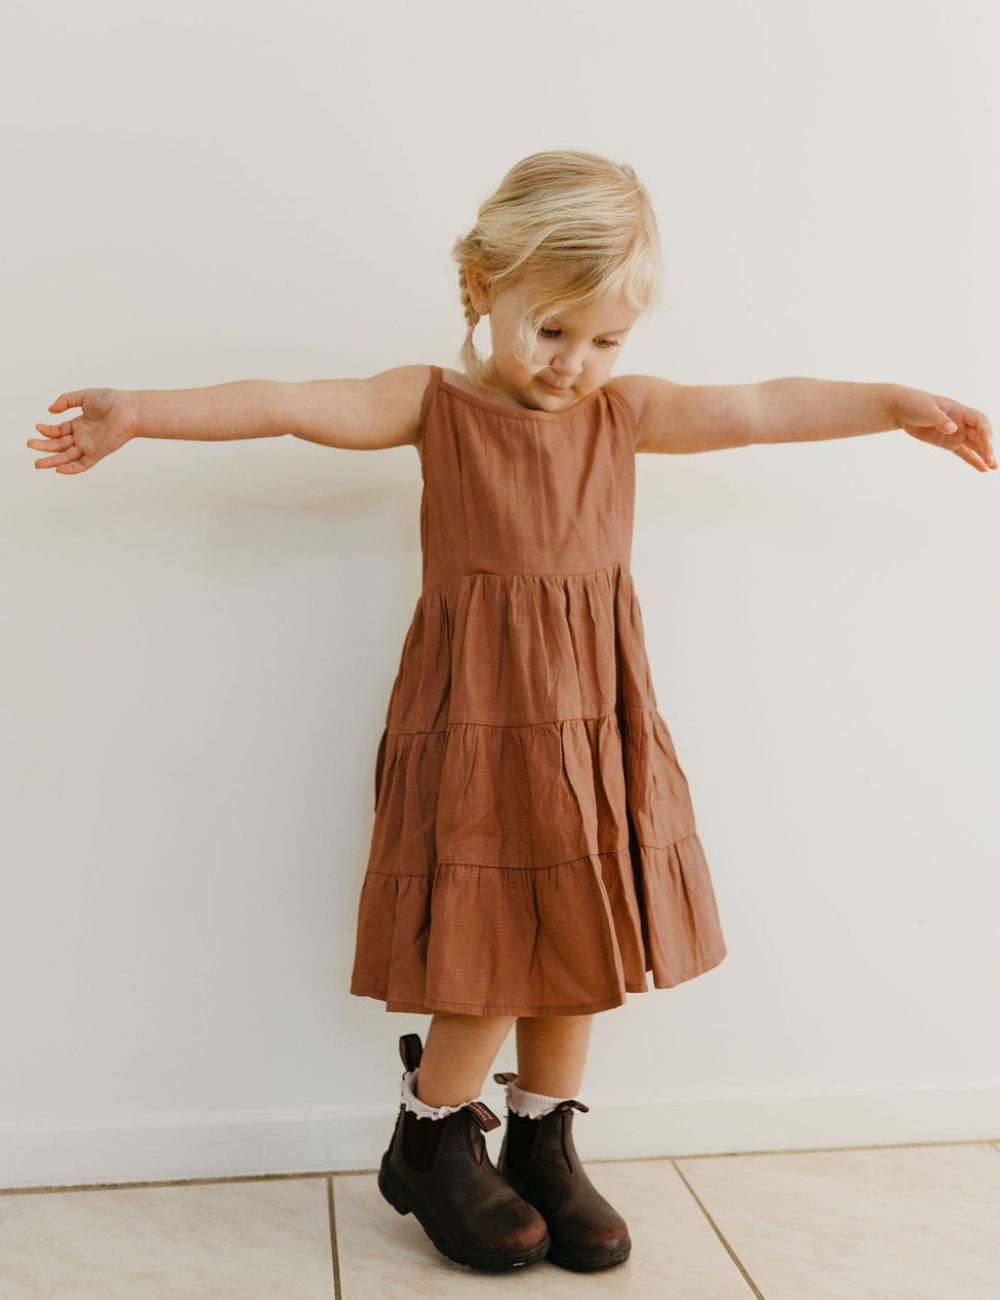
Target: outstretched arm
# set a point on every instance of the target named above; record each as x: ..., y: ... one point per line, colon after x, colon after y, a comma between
x: 363, y: 414
x: 689, y: 417
x: 807, y: 410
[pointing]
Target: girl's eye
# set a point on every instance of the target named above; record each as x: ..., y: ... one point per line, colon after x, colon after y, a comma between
x: 550, y: 333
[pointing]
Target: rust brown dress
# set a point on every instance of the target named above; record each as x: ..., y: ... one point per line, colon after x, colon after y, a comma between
x: 534, y: 849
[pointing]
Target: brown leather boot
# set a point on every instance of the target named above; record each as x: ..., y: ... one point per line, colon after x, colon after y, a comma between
x: 539, y: 1160
x: 440, y: 1169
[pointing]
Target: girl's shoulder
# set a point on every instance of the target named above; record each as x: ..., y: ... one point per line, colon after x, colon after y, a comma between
x: 633, y: 390
x: 398, y: 398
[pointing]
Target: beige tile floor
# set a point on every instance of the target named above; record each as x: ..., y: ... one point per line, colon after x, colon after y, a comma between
x: 874, y: 1223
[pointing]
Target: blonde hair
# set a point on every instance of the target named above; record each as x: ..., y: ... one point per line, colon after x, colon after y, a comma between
x: 582, y: 224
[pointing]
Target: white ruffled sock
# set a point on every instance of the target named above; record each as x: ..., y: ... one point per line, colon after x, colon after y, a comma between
x: 412, y: 1102
x: 531, y: 1104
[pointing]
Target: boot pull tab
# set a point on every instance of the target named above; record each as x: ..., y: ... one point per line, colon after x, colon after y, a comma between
x: 506, y: 1076
x: 483, y: 1115
x: 570, y: 1104
x: 410, y: 1049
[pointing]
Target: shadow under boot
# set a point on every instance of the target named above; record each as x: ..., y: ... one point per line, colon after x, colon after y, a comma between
x: 538, y: 1158
x: 441, y: 1170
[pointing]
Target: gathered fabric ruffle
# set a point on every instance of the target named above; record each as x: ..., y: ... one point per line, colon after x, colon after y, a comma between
x: 567, y: 939
x: 534, y: 849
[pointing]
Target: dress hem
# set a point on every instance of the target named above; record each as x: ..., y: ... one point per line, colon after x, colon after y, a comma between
x: 491, y: 1009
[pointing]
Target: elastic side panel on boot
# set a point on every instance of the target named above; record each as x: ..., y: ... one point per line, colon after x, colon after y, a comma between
x: 421, y: 1139
x: 566, y: 1138
x: 520, y: 1139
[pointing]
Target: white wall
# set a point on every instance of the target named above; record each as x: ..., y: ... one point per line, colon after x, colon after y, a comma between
x: 200, y: 639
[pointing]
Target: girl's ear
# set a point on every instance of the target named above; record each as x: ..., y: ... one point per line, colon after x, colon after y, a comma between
x: 479, y: 299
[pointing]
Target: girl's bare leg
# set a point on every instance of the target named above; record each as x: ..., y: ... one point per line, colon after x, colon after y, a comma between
x: 551, y: 1053
x: 458, y: 1052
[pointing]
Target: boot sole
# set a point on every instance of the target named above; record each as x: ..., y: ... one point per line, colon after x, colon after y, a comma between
x: 404, y: 1202
x: 591, y: 1263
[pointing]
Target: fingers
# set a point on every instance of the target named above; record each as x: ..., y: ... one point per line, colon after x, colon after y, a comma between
x: 944, y: 422
x: 50, y: 444
x: 983, y: 434
x: 974, y: 429
x: 56, y: 430
x: 63, y: 444
x: 973, y: 458
x: 979, y: 437
x: 65, y: 400
x: 64, y: 458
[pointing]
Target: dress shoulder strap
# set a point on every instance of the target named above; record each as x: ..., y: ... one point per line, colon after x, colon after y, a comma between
x: 430, y: 390
x: 626, y: 414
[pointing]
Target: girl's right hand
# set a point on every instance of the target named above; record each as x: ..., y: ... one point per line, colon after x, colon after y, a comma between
x: 105, y: 425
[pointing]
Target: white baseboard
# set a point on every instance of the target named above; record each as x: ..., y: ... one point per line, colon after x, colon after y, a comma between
x: 340, y: 1139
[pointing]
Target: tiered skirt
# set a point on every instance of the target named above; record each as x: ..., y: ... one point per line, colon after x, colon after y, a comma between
x: 534, y: 850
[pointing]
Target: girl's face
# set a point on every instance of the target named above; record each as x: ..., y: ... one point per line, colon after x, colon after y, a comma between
x: 573, y: 356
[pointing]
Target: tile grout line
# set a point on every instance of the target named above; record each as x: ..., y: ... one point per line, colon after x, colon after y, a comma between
x: 333, y: 1238
x: 795, y: 1151
x: 729, y: 1155
x: 164, y: 1182
x: 718, y: 1232
x: 602, y: 1160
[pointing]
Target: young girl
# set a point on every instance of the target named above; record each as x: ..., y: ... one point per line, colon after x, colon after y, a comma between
x: 534, y: 851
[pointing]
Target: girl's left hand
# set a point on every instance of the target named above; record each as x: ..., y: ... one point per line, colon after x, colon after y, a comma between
x: 946, y: 423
